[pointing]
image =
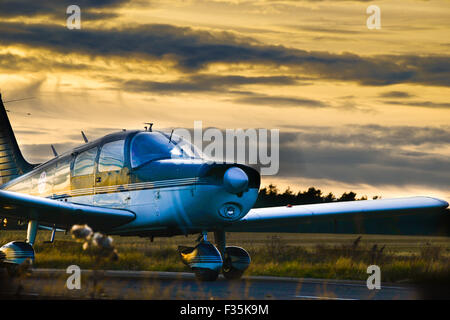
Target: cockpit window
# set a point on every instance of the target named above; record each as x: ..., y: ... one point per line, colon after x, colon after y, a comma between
x: 149, y: 146
x: 111, y: 156
x: 84, y: 163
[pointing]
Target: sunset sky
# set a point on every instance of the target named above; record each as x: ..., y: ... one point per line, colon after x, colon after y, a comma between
x: 357, y: 109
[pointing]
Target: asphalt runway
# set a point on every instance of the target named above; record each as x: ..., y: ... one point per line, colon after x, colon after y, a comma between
x: 51, y: 284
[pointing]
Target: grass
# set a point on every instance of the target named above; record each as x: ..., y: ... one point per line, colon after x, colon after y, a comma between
x: 417, y: 260
x: 401, y: 258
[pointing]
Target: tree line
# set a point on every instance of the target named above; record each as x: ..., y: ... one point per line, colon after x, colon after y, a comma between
x: 270, y: 196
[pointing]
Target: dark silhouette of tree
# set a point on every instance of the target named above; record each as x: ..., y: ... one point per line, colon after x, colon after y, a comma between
x: 312, y: 195
x: 350, y: 196
x: 329, y: 198
x: 270, y: 196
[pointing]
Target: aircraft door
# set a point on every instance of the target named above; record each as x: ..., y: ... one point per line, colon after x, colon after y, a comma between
x: 112, y: 176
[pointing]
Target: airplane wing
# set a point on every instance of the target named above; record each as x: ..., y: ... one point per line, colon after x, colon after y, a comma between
x: 62, y: 214
x: 401, y: 216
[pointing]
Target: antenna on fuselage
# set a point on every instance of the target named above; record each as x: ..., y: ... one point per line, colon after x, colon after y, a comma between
x: 150, y: 124
x: 54, y: 150
x: 84, y: 137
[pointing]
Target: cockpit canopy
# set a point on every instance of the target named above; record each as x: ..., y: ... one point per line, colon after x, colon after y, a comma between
x: 150, y: 146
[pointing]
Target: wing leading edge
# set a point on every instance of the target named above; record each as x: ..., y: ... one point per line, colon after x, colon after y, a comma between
x: 59, y: 213
x: 401, y: 216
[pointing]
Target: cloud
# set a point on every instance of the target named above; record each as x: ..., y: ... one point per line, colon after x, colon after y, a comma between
x: 56, y: 9
x: 372, y: 135
x: 422, y: 104
x: 222, y: 84
x: 12, y: 62
x: 193, y: 50
x: 199, y: 83
x: 373, y: 155
x: 361, y: 165
x: 396, y: 94
x: 318, y: 29
x: 279, y: 101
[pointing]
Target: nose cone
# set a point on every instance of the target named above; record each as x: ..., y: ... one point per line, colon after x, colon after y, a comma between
x: 235, y: 180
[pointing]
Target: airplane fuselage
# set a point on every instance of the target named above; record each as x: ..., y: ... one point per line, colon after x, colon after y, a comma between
x: 171, y: 189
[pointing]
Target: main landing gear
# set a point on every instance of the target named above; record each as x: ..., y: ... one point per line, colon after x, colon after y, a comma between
x: 207, y: 260
x: 18, y: 256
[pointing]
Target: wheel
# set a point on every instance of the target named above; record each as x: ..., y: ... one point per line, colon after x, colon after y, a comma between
x: 17, y: 270
x: 236, y: 261
x: 13, y: 269
x: 231, y: 273
x: 204, y: 274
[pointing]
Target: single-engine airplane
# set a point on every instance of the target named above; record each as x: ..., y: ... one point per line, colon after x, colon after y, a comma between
x: 152, y: 184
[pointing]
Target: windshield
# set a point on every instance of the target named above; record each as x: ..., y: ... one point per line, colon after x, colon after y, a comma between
x: 149, y: 146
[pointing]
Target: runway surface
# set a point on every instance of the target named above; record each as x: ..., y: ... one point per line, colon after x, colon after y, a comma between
x: 51, y: 283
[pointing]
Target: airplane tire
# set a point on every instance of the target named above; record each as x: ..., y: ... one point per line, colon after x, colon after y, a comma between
x: 236, y: 261
x: 232, y: 273
x: 13, y: 269
x: 204, y: 274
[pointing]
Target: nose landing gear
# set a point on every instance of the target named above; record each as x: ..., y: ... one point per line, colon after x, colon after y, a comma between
x: 206, y: 261
x: 235, y: 259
